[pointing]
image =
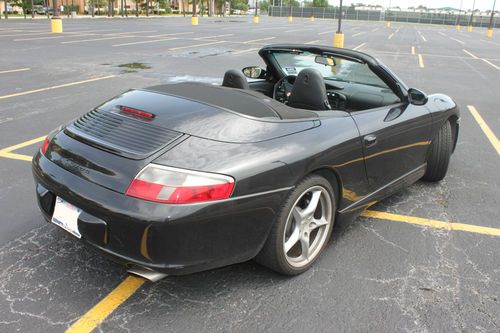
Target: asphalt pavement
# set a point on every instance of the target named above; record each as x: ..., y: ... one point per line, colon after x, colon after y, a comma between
x: 407, y: 265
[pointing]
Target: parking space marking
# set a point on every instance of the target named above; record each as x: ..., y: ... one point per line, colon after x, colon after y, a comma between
x: 431, y: 223
x: 258, y: 40
x: 486, y: 129
x: 457, y: 40
x: 359, y: 34
x: 95, y: 316
x: 244, y: 51
x: 422, y: 36
x: 373, y: 30
x: 8, y: 151
x: 145, y: 42
x: 313, y: 41
x: 390, y: 36
x: 473, y: 56
x: 212, y: 37
x: 195, y: 45
x: 56, y: 87
x: 325, y: 32
x: 420, y: 60
x: 485, y: 60
x: 15, y: 70
x: 53, y: 37
x: 97, y: 39
x: 359, y: 46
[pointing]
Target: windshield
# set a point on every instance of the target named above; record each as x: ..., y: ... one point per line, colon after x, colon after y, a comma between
x: 342, y: 69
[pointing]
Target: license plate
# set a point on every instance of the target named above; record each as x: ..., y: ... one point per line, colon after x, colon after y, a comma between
x: 66, y: 217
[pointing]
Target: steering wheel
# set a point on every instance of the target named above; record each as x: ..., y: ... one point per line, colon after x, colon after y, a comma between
x: 283, y: 88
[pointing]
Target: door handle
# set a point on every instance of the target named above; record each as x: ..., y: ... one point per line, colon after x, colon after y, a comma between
x: 370, y: 140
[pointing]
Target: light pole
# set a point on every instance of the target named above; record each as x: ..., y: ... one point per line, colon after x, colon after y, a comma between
x: 56, y: 22
x: 457, y: 24
x: 256, y: 15
x: 469, y: 27
x: 194, y: 18
x: 489, y: 32
x: 338, y: 39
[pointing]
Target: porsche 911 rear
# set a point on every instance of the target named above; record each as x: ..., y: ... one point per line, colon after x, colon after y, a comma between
x: 134, y: 179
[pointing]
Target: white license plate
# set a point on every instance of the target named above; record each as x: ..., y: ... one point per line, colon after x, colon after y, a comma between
x: 66, y: 216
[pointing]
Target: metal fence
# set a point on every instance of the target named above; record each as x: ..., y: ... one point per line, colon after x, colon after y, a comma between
x: 373, y: 15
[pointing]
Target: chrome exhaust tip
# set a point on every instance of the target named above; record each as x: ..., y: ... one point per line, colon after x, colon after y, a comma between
x: 146, y: 273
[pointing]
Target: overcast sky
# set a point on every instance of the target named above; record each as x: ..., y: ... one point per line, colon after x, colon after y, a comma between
x: 467, y: 4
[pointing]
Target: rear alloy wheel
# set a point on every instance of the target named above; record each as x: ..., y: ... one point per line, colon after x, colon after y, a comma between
x: 302, y: 229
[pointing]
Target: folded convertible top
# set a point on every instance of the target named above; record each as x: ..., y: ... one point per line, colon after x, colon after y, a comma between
x: 246, y: 102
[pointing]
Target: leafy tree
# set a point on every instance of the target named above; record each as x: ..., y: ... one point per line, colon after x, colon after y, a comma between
x: 24, y: 4
x: 320, y: 3
x: 264, y: 6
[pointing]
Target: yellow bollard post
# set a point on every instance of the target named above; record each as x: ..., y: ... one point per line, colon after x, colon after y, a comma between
x: 256, y: 19
x: 388, y: 24
x: 469, y: 28
x: 489, y: 33
x: 290, y: 19
x: 56, y: 25
x: 338, y: 40
x: 458, y: 27
x: 312, y: 18
x: 194, y: 20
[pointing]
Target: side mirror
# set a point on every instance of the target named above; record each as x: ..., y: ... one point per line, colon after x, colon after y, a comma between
x: 417, y: 97
x: 254, y: 72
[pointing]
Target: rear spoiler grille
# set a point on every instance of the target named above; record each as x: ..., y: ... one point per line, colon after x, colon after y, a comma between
x: 121, y: 135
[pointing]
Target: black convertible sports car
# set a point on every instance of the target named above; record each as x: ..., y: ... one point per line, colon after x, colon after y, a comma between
x: 179, y: 178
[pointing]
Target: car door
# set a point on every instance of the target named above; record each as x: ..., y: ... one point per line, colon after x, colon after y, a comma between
x: 395, y: 140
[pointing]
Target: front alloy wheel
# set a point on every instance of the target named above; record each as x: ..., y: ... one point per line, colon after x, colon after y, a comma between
x: 302, y: 229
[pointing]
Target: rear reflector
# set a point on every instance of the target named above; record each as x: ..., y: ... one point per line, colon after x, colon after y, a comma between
x: 178, y: 186
x: 136, y: 112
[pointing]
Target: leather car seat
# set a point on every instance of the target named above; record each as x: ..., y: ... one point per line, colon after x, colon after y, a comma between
x: 235, y: 79
x: 309, y: 91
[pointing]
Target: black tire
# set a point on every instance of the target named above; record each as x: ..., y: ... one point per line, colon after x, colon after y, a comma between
x: 438, y: 157
x: 273, y: 253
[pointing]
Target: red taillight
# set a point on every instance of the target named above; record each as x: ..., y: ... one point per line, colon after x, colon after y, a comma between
x: 45, y: 145
x: 136, y: 112
x: 177, y: 186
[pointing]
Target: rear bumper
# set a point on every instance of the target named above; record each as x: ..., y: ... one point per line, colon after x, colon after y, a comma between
x: 173, y: 239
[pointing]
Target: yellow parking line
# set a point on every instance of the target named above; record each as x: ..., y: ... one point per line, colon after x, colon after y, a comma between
x: 15, y: 70
x: 431, y: 223
x: 95, y: 316
x: 56, y: 87
x: 420, y: 61
x: 7, y: 152
x: 486, y: 129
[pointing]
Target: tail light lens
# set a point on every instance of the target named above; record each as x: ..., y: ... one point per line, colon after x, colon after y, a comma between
x: 49, y: 138
x: 45, y: 145
x: 178, y: 186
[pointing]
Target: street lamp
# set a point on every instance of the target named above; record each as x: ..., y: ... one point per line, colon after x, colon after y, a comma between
x: 469, y: 27
x: 489, y: 32
x: 338, y: 39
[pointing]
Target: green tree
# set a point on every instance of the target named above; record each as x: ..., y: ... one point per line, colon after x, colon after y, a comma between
x: 320, y: 3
